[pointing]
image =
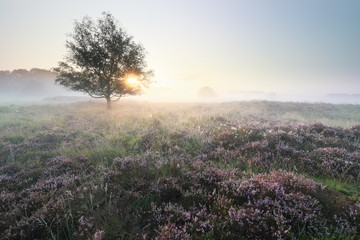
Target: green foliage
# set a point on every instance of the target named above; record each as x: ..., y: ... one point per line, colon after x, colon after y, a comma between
x: 101, y: 57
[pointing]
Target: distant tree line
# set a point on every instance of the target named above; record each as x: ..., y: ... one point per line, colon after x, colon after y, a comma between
x: 24, y: 84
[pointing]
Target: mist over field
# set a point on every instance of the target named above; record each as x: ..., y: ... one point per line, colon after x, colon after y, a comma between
x: 36, y: 84
x: 167, y: 120
x: 29, y: 85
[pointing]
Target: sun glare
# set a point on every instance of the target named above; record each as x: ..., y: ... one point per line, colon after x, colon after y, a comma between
x: 132, y: 81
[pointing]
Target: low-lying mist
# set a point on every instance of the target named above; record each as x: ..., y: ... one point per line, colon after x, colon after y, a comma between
x: 36, y: 85
x: 30, y: 85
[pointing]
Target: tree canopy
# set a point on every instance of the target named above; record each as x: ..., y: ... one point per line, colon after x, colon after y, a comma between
x: 103, y: 61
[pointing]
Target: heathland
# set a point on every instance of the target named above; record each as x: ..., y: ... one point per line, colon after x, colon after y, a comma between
x: 237, y: 170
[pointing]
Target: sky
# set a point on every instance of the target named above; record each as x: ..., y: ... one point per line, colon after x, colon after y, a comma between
x: 303, y: 47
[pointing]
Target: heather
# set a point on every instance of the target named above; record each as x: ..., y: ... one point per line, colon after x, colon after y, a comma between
x: 241, y: 170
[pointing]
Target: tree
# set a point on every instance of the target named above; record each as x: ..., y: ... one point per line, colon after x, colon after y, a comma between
x: 206, y: 92
x: 103, y: 61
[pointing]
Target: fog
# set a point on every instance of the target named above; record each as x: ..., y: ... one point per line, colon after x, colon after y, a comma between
x: 38, y: 85
x: 177, y: 95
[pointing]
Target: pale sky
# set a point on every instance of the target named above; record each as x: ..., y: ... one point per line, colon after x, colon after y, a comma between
x: 281, y: 46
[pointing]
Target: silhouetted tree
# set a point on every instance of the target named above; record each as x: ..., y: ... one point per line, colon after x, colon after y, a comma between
x: 101, y: 59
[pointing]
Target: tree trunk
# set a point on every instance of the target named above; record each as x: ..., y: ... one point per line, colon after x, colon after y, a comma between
x: 108, y: 102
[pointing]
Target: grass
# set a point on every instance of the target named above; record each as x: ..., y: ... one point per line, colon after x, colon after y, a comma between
x: 349, y: 189
x: 139, y: 170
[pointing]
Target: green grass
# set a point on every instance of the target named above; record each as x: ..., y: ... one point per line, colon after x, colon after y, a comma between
x: 350, y: 189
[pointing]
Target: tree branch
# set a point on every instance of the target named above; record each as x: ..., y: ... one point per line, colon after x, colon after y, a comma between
x: 117, y: 99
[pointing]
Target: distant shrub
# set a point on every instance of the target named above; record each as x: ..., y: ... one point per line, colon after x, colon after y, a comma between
x: 206, y: 92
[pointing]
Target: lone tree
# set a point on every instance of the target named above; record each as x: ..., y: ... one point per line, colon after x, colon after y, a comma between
x: 103, y: 61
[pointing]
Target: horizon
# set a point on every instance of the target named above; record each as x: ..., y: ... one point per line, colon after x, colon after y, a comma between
x: 38, y: 84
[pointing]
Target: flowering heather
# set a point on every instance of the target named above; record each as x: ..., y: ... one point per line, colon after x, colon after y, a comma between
x: 276, y: 205
x: 217, y: 171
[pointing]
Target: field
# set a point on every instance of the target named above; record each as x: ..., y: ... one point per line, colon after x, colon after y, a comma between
x: 239, y: 170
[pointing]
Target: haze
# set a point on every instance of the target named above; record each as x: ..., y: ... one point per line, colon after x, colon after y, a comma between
x: 281, y: 48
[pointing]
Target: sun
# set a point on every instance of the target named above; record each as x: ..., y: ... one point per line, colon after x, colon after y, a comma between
x: 132, y: 81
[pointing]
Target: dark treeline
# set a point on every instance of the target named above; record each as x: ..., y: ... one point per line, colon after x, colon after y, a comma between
x: 22, y: 84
